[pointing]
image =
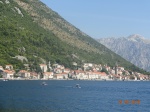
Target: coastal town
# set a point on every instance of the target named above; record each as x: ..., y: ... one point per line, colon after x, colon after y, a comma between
x: 88, y: 71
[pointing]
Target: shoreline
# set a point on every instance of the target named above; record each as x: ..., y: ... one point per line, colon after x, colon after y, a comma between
x: 21, y: 79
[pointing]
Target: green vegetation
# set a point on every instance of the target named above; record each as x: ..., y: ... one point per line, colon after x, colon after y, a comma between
x: 104, y: 70
x: 27, y: 36
x: 1, y: 75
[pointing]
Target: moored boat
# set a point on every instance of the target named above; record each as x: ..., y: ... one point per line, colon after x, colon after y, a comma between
x: 5, y: 80
x: 44, y: 83
x: 77, y: 86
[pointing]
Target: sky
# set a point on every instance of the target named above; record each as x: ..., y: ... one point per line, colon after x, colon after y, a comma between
x: 105, y: 18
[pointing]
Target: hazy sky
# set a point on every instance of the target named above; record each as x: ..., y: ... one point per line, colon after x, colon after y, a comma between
x: 105, y: 18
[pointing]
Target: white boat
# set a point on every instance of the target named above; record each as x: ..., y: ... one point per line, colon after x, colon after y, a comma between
x: 5, y: 80
x: 44, y: 83
x: 77, y: 86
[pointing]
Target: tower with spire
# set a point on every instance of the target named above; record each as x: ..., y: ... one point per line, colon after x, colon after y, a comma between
x: 49, y: 65
x: 116, y: 68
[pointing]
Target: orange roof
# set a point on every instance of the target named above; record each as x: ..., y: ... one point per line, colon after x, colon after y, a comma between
x: 9, y: 65
x: 43, y: 65
x: 48, y: 73
x: 33, y: 73
x: 79, y: 71
x: 9, y: 71
x: 59, y: 74
x: 23, y: 71
x: 97, y: 73
x: 64, y: 73
x: 103, y: 74
x: 67, y: 69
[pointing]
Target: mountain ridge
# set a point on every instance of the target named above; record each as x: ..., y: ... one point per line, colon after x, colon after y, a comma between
x: 134, y: 48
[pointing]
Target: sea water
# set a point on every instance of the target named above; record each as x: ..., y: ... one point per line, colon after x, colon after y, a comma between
x: 63, y: 96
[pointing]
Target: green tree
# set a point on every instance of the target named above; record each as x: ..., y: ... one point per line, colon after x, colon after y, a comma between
x: 104, y: 70
x: 124, y: 73
x: 1, y: 75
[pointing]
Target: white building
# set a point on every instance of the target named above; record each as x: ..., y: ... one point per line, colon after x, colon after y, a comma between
x: 66, y: 70
x: 58, y: 76
x: 48, y: 75
x: 9, y: 67
x: 43, y: 67
x: 79, y: 74
x: 34, y: 75
x: 8, y: 74
x: 1, y: 68
x: 104, y: 76
x: 24, y: 74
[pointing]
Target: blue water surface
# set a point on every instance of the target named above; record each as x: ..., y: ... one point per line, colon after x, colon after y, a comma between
x: 62, y: 96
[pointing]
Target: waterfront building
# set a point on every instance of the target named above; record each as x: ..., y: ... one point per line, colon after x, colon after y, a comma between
x: 23, y: 74
x: 8, y: 74
x: 48, y: 75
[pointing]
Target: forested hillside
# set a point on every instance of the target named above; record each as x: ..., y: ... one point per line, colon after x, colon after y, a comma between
x: 30, y: 30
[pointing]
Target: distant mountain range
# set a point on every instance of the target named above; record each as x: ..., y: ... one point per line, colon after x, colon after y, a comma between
x: 32, y: 33
x: 134, y: 48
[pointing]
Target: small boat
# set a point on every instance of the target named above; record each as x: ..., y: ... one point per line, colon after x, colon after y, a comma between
x: 77, y: 86
x: 44, y: 83
x: 5, y: 80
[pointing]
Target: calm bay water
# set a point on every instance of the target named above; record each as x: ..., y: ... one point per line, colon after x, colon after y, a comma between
x: 62, y: 96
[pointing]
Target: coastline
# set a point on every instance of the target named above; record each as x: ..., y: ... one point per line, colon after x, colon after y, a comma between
x: 23, y: 79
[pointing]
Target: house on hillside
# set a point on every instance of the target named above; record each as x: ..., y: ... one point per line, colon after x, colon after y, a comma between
x: 43, y: 67
x: 65, y: 75
x: 120, y: 68
x: 103, y: 76
x: 1, y: 68
x: 87, y: 66
x: 23, y: 74
x: 58, y: 70
x: 92, y: 75
x: 34, y: 75
x: 48, y: 75
x: 58, y: 76
x: 143, y: 77
x: 80, y: 74
x: 8, y: 74
x: 66, y: 70
x: 107, y: 68
x: 98, y: 75
x: 9, y: 67
x: 58, y: 66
